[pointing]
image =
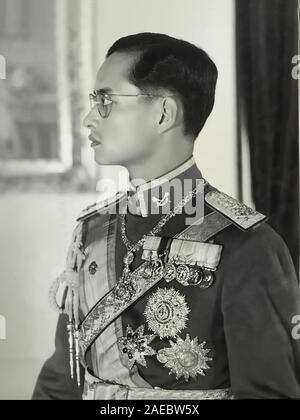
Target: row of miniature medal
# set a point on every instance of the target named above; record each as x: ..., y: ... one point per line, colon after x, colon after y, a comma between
x: 183, y: 273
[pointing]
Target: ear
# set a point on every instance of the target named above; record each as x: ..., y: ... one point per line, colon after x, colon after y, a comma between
x: 168, y: 115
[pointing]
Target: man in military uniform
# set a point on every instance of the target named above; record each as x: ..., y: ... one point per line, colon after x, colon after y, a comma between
x: 193, y: 300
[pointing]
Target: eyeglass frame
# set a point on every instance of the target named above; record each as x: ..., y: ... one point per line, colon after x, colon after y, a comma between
x: 106, y: 95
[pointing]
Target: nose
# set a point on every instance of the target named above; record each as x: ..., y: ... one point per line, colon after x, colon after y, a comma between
x: 91, y: 118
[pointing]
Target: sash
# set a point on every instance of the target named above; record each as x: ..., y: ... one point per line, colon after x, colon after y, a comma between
x: 109, y: 307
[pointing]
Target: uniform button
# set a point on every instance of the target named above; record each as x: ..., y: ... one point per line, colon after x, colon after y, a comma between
x: 93, y: 267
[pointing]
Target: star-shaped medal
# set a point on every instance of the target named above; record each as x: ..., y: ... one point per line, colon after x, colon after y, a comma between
x: 166, y: 312
x: 135, y: 345
x: 185, y: 358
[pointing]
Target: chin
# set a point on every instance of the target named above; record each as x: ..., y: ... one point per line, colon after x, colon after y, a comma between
x: 102, y: 159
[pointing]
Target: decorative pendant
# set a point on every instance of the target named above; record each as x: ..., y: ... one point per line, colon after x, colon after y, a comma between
x: 166, y: 312
x: 170, y: 272
x: 185, y: 358
x: 125, y: 289
x: 147, y: 270
x: 157, y: 267
x: 135, y: 345
x: 128, y: 259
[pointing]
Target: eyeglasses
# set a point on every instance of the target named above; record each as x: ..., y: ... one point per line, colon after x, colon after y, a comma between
x: 104, y: 102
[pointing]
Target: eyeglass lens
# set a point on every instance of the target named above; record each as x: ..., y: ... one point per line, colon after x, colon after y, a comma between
x: 103, y: 104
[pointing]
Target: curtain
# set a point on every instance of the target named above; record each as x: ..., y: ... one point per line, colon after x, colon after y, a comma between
x: 266, y: 41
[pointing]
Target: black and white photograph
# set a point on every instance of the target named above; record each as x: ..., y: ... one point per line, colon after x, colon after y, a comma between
x: 149, y: 202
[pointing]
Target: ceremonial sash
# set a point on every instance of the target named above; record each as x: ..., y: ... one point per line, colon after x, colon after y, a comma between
x: 109, y: 308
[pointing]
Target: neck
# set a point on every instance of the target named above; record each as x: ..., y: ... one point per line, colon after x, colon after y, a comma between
x: 158, y: 164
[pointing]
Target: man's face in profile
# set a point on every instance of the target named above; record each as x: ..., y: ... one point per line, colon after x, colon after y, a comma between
x: 128, y: 134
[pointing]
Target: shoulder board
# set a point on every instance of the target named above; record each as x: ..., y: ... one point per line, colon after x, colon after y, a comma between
x: 101, y: 207
x: 240, y: 215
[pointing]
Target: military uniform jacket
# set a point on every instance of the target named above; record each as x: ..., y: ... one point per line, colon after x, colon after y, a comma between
x: 235, y: 333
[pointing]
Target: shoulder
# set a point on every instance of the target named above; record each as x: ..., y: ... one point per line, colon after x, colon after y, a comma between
x: 258, y: 258
x: 260, y: 238
x: 250, y: 244
x: 109, y: 205
x: 241, y: 215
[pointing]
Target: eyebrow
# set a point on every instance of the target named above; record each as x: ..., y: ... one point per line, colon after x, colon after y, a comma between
x: 104, y: 90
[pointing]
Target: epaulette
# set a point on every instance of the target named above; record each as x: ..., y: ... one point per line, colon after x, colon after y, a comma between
x: 103, y: 206
x: 238, y: 213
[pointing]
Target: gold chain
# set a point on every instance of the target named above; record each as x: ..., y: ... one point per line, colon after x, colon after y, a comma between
x: 134, y: 247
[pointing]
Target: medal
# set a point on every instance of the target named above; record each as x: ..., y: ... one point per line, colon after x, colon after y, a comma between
x: 183, y: 274
x: 196, y: 276
x: 166, y: 312
x: 185, y: 358
x: 208, y: 279
x: 170, y: 272
x: 135, y: 346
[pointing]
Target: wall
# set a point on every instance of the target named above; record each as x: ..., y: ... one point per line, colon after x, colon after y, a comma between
x: 35, y: 232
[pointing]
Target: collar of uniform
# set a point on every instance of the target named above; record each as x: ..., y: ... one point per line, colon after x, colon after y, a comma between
x: 143, y: 194
x: 165, y: 177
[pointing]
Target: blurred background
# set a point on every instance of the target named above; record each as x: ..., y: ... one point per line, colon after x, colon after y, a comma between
x: 50, y: 51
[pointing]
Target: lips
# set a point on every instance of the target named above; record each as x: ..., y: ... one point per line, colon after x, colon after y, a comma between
x: 93, y: 140
x: 95, y: 144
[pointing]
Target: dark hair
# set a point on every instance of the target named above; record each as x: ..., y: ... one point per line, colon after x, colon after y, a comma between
x: 164, y: 62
